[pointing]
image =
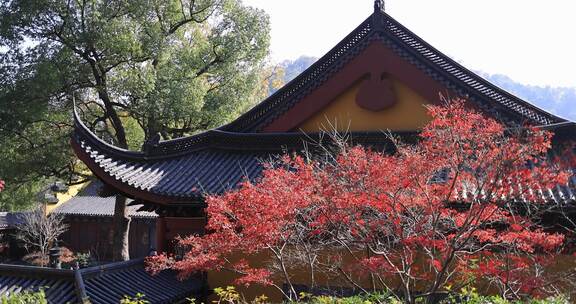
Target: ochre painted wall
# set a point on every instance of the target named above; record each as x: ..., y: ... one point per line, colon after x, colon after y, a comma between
x: 66, y: 196
x: 408, y: 114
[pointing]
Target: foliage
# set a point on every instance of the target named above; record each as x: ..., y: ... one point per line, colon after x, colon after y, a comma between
x: 72, y: 260
x: 85, y: 259
x: 227, y: 295
x: 466, y: 296
x: 66, y: 256
x: 40, y: 232
x: 36, y: 259
x: 358, y: 299
x: 24, y: 297
x: 230, y: 295
x: 139, y: 298
x: 454, y: 208
x: 471, y: 296
x: 137, y: 68
x: 34, y: 132
x: 21, y: 196
x: 176, y: 67
x: 68, y: 259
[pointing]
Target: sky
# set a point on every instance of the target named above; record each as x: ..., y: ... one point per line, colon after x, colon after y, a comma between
x: 532, y: 42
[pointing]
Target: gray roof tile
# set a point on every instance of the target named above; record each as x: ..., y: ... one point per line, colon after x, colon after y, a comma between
x: 10, y: 219
x: 88, y: 203
x: 102, y: 284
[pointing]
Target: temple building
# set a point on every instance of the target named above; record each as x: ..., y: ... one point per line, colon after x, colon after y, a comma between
x: 89, y: 219
x: 379, y: 77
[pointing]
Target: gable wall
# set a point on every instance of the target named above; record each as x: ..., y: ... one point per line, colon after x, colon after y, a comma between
x: 393, y: 92
x: 344, y: 114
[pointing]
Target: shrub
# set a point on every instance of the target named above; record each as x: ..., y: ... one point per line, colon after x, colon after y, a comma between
x: 25, y: 297
x: 230, y: 295
x: 139, y: 298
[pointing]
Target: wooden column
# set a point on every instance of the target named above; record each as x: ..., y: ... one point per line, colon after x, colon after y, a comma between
x: 178, y: 221
x: 161, y: 234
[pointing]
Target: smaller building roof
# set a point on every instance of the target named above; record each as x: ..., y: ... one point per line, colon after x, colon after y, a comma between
x: 88, y: 203
x: 9, y: 220
x: 102, y: 284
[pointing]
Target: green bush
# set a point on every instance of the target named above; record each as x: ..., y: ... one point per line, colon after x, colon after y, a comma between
x: 370, y: 299
x: 476, y: 299
x: 25, y: 297
x: 85, y: 259
x: 471, y: 296
x: 137, y: 299
x: 230, y: 295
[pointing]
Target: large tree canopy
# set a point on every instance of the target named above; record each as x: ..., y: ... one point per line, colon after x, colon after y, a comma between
x: 137, y: 68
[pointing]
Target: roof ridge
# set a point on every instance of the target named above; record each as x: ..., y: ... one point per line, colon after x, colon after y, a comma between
x: 305, y: 81
x: 223, y: 140
x: 80, y: 287
x: 552, y: 118
x: 81, y: 130
x: 34, y: 271
x: 110, y: 267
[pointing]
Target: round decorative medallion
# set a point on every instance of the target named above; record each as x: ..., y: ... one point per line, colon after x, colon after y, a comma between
x: 376, y: 93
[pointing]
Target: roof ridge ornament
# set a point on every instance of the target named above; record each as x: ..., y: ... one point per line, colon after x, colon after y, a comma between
x: 379, y: 6
x: 377, y: 16
x: 151, y: 143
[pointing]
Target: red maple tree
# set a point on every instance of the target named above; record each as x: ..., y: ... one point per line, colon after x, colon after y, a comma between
x: 457, y: 207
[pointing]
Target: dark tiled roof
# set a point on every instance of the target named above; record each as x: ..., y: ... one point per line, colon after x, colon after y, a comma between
x: 560, y: 195
x: 213, y: 166
x: 9, y: 220
x: 110, y: 283
x: 59, y: 285
x: 88, y: 203
x: 102, y: 284
x: 211, y: 171
x: 215, y: 170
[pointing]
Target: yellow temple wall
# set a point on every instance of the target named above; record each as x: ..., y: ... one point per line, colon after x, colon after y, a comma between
x: 64, y: 197
x: 408, y: 114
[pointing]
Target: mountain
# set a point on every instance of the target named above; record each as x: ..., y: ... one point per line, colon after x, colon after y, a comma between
x: 295, y: 67
x: 557, y: 100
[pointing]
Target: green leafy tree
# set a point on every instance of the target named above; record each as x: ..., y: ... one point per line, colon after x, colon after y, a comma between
x: 33, y: 130
x: 137, y: 69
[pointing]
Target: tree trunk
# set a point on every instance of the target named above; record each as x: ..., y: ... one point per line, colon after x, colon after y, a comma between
x: 121, y: 222
x: 121, y: 228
